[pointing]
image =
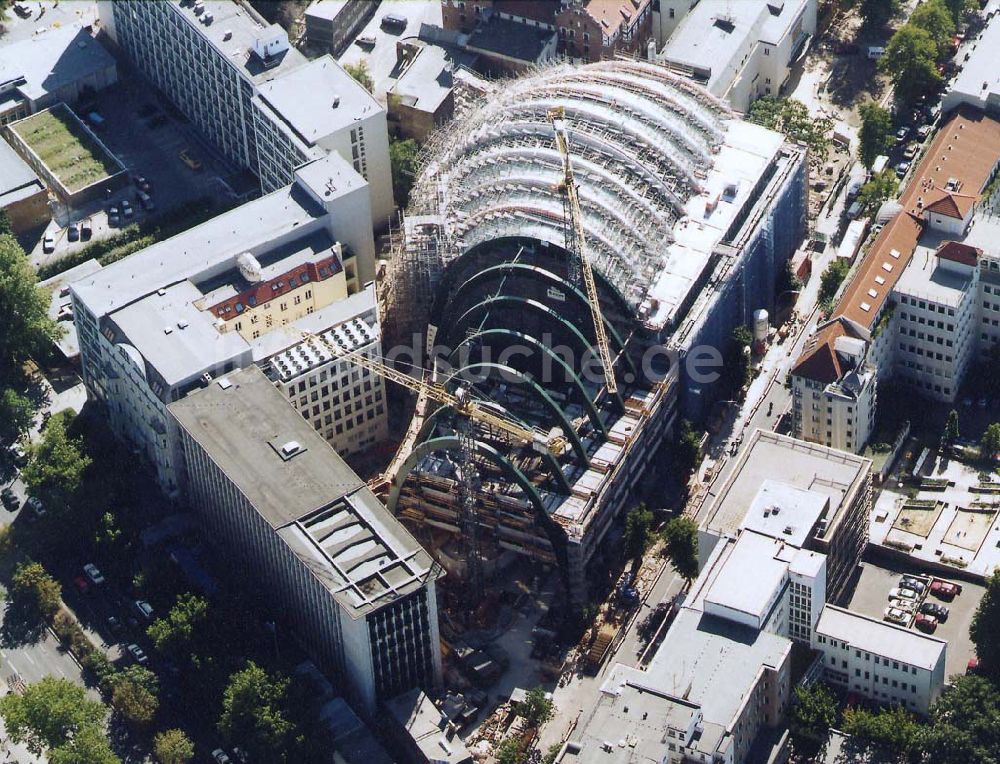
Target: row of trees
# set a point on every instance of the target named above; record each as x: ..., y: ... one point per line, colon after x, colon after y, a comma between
x: 27, y: 333
x: 679, y: 534
x: 791, y: 117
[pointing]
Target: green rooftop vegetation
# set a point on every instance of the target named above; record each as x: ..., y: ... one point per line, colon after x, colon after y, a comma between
x: 58, y: 139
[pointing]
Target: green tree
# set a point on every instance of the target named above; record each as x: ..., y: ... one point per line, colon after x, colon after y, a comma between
x: 958, y: 9
x: 16, y: 415
x: 56, y: 463
x: 892, y: 727
x: 878, y: 189
x: 989, y: 443
x: 403, y: 161
x: 638, y: 524
x: 362, y: 74
x: 32, y: 585
x: 965, y: 723
x: 6, y: 229
x: 254, y: 713
x: 48, y: 713
x: 510, y: 751
x: 680, y: 536
x: 688, y: 447
x: 551, y: 753
x: 88, y: 746
x: 791, y: 117
x: 877, y: 13
x: 813, y: 713
x: 985, y: 627
x: 175, y: 634
x: 172, y: 747
x: 911, y: 61
x: 832, y: 278
x: 134, y: 694
x: 876, y: 132
x: 24, y: 310
x: 537, y: 707
x: 935, y: 18
x: 951, y: 431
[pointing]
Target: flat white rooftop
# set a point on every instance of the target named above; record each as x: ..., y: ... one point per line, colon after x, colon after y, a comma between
x: 750, y: 577
x: 881, y: 638
x: 785, y: 512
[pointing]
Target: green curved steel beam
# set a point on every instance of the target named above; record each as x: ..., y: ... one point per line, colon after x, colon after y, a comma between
x: 431, y: 421
x: 593, y: 415
x: 540, y: 394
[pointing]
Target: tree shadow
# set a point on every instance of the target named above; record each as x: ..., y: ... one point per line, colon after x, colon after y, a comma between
x: 22, y: 625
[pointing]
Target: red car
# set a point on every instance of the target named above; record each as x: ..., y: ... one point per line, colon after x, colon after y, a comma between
x: 945, y: 589
x: 925, y: 622
x: 81, y: 585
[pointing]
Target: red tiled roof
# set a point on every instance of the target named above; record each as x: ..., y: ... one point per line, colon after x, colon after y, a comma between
x: 951, y: 204
x: 819, y: 361
x: 959, y: 253
x: 265, y: 291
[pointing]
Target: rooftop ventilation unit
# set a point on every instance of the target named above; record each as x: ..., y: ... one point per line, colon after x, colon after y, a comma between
x: 249, y: 267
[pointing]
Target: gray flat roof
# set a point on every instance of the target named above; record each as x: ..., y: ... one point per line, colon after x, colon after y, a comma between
x: 510, y: 39
x: 882, y: 638
x: 242, y: 27
x: 980, y: 75
x: 785, y: 512
x: 15, y: 174
x: 52, y: 60
x: 317, y: 504
x: 69, y: 343
x: 327, y: 9
x: 808, y: 466
x: 427, y: 81
x: 704, y: 40
x: 318, y: 99
x: 424, y: 722
x: 213, y: 244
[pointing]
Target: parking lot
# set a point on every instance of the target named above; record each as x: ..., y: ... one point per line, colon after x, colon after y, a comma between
x: 147, y: 135
x: 871, y: 597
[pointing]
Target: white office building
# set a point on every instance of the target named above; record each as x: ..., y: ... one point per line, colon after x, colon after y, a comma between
x: 256, y: 98
x: 240, y: 290
x: 285, y: 510
x: 740, y: 50
x: 881, y: 661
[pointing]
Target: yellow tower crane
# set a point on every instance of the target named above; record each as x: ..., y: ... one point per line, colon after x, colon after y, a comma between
x: 557, y: 117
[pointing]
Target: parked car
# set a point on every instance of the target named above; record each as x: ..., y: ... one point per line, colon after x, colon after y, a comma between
x: 925, y: 622
x: 911, y: 582
x: 143, y: 183
x: 895, y: 615
x: 138, y: 654
x: 19, y: 455
x: 73, y: 232
x: 240, y: 755
x: 35, y: 505
x: 910, y: 152
x: 220, y: 756
x: 902, y: 134
x: 902, y: 168
x: 85, y: 230
x: 81, y: 585
x: 93, y: 574
x: 945, y: 590
x: 901, y: 593
x: 127, y: 210
x: 113, y: 216
x: 114, y: 625
x: 143, y: 609
x: 366, y: 41
x: 938, y: 611
x: 191, y: 161
x: 907, y: 606
x: 146, y: 201
x: 48, y: 243
x: 923, y: 131
x: 10, y: 501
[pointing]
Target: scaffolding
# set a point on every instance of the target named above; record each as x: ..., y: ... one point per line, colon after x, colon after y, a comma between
x: 642, y: 137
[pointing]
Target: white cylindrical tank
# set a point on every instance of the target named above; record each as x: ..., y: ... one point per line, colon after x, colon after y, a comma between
x: 760, y: 325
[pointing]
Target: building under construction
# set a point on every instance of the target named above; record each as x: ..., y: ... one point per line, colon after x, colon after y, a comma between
x: 687, y: 215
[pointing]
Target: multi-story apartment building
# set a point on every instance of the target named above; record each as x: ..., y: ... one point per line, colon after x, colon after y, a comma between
x: 881, y: 661
x: 301, y: 525
x: 921, y: 304
x: 331, y: 25
x: 256, y: 98
x: 805, y: 495
x: 588, y: 30
x: 741, y: 50
x: 237, y: 290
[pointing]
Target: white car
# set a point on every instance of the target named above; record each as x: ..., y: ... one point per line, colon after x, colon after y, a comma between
x: 895, y: 615
x: 48, y: 243
x: 899, y: 593
x: 35, y: 505
x: 93, y: 574
x: 220, y: 756
x: 138, y: 654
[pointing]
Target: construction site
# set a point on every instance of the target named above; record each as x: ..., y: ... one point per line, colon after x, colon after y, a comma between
x: 574, y: 238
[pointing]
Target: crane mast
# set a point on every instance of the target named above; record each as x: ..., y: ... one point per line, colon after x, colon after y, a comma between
x: 581, y: 264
